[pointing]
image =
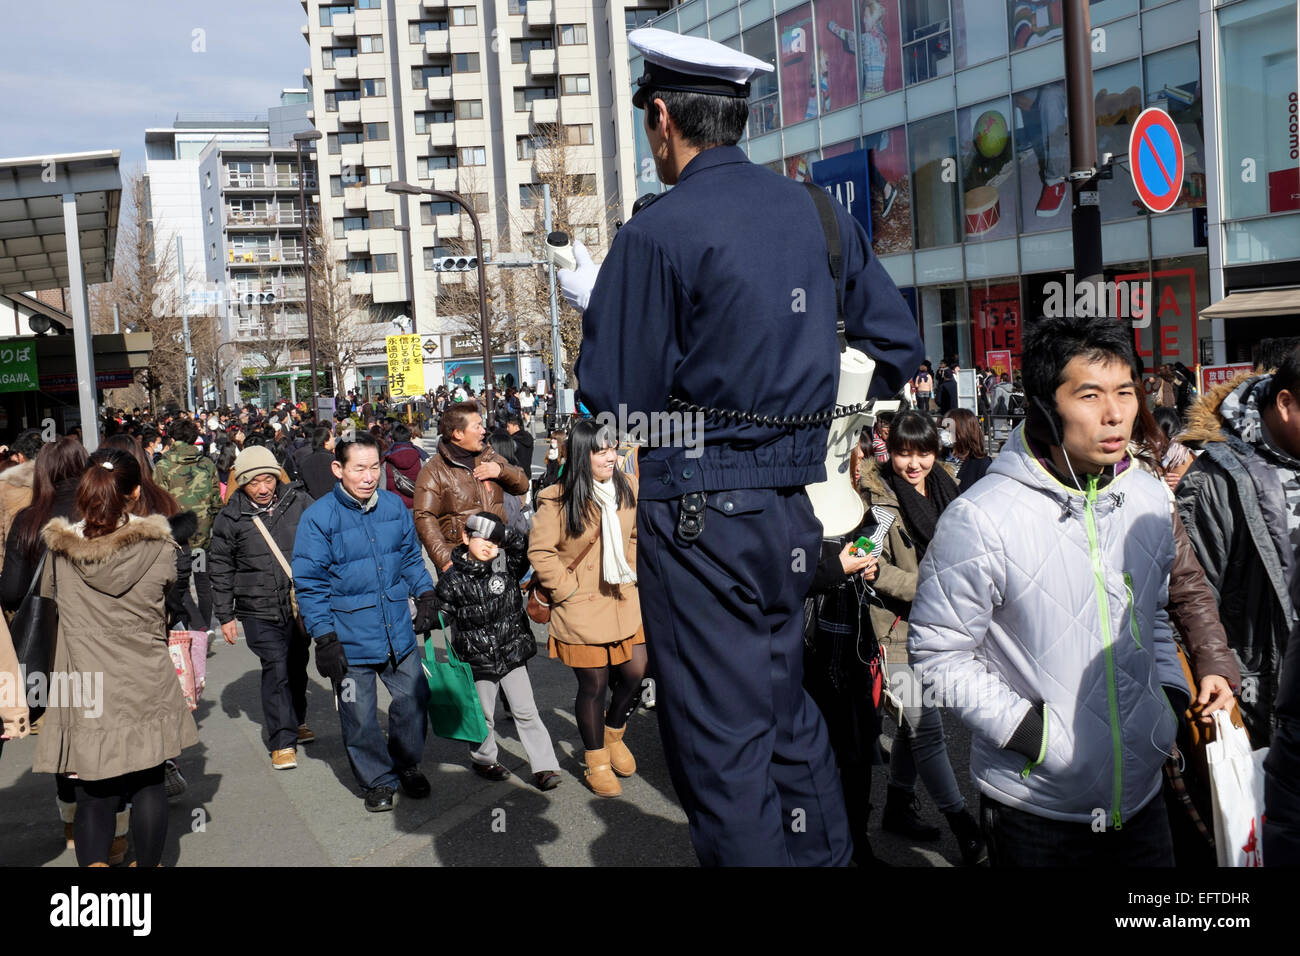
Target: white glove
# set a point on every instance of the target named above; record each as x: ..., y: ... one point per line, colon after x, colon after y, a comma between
x: 576, y: 284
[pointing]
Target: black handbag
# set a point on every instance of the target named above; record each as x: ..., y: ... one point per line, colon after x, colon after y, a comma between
x: 33, y: 628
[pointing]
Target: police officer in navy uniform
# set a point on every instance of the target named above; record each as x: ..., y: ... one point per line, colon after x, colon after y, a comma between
x: 719, y: 294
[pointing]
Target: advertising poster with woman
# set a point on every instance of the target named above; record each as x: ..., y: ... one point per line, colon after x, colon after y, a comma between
x: 800, y: 74
x: 988, y: 171
x: 839, y: 51
x: 873, y: 37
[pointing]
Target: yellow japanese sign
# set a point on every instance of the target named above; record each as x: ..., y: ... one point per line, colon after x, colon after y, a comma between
x: 405, y: 366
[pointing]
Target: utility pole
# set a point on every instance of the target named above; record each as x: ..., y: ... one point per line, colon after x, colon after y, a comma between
x: 1086, y: 205
x: 557, y: 370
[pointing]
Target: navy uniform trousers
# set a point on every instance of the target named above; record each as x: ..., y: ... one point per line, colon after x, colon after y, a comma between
x: 747, y: 749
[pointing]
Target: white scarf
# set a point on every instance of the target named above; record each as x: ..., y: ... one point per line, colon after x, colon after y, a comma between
x: 614, y: 564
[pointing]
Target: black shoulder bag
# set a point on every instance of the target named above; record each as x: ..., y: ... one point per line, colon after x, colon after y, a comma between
x: 33, y: 628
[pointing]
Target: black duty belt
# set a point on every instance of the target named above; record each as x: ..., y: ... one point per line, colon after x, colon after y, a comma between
x: 769, y: 421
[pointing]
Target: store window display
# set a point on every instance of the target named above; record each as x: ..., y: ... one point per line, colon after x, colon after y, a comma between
x: 990, y: 190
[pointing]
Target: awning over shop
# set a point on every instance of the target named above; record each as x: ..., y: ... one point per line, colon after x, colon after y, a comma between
x: 1244, y: 305
x: 58, y: 229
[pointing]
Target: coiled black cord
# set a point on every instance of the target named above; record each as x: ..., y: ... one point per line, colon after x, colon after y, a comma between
x: 768, y: 421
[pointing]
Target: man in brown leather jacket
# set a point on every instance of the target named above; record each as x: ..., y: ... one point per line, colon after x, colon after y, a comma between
x: 462, y: 477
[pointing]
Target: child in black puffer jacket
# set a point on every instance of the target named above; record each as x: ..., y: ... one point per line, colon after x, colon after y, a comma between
x: 492, y: 634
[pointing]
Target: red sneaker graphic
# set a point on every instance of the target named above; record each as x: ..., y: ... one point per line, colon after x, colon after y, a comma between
x: 1050, y: 202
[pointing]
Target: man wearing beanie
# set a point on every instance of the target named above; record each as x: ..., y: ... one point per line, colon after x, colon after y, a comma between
x: 252, y: 545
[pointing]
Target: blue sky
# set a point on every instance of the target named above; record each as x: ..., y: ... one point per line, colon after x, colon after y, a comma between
x: 79, y: 75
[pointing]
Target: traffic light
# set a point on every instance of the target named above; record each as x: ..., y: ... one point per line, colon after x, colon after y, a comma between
x: 456, y: 263
x: 259, y: 298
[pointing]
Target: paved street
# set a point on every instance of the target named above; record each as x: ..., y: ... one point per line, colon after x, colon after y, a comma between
x: 239, y: 812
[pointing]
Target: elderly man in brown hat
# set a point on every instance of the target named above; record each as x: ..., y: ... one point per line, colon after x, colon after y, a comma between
x: 252, y: 545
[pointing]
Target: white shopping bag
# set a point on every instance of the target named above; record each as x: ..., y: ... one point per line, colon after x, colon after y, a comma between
x: 1237, y: 792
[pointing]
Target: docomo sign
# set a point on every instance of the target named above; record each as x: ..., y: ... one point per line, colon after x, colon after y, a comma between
x: 1155, y: 158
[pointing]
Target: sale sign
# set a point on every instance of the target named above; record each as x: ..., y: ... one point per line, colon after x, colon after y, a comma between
x: 996, y: 322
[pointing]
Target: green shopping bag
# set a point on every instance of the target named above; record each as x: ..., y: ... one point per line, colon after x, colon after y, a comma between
x: 454, y: 708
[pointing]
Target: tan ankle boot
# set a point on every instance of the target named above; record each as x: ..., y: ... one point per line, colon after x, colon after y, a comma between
x: 600, y: 778
x: 620, y: 758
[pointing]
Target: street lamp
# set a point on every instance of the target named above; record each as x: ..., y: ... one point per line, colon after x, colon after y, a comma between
x: 307, y: 136
x: 409, y: 189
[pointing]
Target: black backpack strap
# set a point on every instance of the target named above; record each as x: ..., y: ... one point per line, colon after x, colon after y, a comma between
x: 834, y: 253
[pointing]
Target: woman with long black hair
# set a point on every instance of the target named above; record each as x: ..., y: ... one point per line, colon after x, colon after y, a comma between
x: 583, y: 551
x: 908, y: 493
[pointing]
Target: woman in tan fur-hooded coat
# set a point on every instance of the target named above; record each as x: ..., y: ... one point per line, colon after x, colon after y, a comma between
x: 110, y: 576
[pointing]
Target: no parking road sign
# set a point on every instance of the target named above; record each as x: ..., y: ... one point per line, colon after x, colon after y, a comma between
x: 1155, y: 158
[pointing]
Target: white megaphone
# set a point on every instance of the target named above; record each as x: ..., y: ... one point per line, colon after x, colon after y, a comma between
x: 836, y: 501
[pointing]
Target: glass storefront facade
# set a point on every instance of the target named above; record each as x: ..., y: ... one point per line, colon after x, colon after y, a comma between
x: 960, y: 109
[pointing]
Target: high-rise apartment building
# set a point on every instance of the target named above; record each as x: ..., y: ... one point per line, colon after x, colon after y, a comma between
x: 461, y: 98
x: 253, y: 218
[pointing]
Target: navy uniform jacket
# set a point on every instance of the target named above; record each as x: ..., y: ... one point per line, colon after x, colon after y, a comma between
x: 720, y: 293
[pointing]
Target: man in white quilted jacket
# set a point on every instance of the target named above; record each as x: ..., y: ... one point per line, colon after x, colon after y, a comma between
x: 1040, y: 617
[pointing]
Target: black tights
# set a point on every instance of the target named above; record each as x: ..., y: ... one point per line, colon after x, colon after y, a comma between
x: 593, y: 682
x: 98, y: 802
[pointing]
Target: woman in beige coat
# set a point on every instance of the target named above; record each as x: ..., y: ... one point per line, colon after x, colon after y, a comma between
x: 583, y: 551
x: 115, y: 710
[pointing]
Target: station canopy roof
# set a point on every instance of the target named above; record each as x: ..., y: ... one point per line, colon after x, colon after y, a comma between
x: 33, y: 245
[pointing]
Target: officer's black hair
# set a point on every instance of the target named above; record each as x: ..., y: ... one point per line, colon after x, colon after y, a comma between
x: 912, y: 431
x: 319, y: 437
x: 704, y: 120
x: 576, y: 495
x: 358, y: 439
x: 1050, y: 344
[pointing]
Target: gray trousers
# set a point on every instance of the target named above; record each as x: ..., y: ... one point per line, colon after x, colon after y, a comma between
x: 532, y: 732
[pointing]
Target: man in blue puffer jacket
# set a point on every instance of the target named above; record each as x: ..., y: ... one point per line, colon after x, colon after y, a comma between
x: 356, y: 560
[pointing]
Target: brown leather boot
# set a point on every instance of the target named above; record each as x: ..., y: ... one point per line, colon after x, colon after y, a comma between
x: 620, y: 758
x: 600, y: 778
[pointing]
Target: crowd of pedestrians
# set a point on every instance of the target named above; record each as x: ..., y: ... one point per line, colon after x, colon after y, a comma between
x: 1145, y: 534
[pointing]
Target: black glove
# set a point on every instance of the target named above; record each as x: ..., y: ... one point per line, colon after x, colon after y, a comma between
x: 426, y: 612
x: 331, y: 662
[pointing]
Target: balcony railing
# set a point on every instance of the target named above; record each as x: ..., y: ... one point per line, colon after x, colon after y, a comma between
x: 271, y: 217
x: 263, y: 254
x: 266, y: 181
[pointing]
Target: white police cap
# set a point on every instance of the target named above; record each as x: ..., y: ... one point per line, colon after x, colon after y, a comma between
x: 691, y: 65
